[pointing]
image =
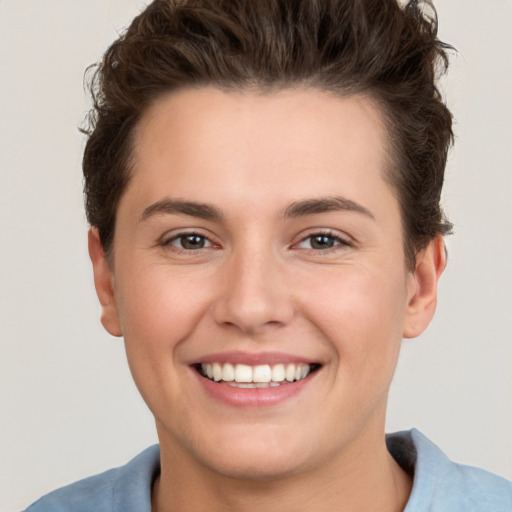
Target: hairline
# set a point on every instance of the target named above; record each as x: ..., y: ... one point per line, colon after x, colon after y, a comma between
x: 391, y: 154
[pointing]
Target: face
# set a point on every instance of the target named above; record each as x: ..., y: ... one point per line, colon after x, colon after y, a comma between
x: 259, y: 278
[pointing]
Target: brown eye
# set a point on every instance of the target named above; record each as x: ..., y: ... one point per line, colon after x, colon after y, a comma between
x: 192, y: 242
x: 189, y: 241
x: 322, y: 241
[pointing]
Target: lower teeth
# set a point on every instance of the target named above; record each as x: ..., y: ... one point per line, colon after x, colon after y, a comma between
x: 252, y: 384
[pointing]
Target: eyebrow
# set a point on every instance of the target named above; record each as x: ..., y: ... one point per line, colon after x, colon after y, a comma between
x: 181, y: 207
x: 302, y: 208
x: 323, y: 205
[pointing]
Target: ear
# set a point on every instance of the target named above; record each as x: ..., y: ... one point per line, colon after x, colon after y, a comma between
x: 104, y: 283
x: 422, y: 288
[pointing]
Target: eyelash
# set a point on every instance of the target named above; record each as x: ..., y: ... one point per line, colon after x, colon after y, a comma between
x: 337, y: 241
x: 166, y: 242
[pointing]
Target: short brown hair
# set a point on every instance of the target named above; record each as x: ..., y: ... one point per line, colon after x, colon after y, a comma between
x: 372, y: 47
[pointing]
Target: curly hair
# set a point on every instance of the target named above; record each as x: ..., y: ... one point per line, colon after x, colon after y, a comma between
x: 378, y: 48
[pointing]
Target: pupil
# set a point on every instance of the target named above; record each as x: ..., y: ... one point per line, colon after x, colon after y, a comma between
x: 322, y: 242
x: 192, y: 242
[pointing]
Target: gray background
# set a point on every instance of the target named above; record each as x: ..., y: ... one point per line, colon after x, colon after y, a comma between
x: 68, y: 407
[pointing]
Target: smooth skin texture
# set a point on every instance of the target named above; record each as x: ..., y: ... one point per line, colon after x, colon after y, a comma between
x: 250, y: 273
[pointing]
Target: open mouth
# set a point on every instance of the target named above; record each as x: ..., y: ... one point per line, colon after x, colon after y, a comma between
x: 259, y: 376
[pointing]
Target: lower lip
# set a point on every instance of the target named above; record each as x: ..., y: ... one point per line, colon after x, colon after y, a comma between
x: 254, y: 397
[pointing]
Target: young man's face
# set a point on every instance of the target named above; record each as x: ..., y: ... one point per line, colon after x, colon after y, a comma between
x: 259, y: 230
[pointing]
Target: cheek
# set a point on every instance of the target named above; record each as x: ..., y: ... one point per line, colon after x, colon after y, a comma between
x: 159, y: 311
x: 158, y: 307
x: 361, y: 313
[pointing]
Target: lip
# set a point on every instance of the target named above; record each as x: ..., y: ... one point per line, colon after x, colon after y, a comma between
x: 252, y: 358
x: 253, y: 397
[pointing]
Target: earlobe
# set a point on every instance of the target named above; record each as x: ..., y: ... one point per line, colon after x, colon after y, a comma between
x: 104, y: 284
x: 422, y: 296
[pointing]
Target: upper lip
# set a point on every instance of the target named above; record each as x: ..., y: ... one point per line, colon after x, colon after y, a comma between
x: 253, y: 358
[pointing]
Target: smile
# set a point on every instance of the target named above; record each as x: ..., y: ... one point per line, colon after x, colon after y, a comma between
x: 259, y: 376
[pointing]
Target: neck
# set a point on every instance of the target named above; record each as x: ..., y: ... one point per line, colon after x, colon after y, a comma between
x: 366, y: 480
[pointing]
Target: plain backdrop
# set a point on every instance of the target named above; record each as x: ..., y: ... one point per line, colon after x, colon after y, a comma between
x: 68, y: 407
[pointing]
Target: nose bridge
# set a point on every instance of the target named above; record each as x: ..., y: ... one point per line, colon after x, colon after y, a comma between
x: 255, y: 294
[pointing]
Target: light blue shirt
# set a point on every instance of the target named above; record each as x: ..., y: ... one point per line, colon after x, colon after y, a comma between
x: 439, y: 484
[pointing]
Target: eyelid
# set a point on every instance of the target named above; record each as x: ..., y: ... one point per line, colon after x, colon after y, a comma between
x: 343, y: 239
x: 169, y: 237
x: 208, y: 242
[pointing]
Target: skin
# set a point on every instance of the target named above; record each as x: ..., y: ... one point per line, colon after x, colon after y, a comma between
x: 259, y: 285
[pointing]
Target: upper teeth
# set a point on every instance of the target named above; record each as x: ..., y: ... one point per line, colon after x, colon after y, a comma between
x: 261, y: 373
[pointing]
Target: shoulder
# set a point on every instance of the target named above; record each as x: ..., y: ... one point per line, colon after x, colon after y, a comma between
x: 123, y: 489
x: 441, y: 485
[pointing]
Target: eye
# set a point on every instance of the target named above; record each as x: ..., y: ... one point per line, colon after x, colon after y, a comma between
x: 322, y: 241
x: 188, y: 241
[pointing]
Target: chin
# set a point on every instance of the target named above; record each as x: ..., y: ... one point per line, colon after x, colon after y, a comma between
x: 260, y: 466
x: 257, y: 453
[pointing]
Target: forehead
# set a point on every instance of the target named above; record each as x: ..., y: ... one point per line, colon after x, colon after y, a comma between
x: 287, y: 137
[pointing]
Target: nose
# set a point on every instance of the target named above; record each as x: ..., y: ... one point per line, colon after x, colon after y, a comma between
x: 255, y: 294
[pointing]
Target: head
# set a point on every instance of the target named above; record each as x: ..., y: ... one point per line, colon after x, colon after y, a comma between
x: 263, y: 182
x: 372, y: 47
